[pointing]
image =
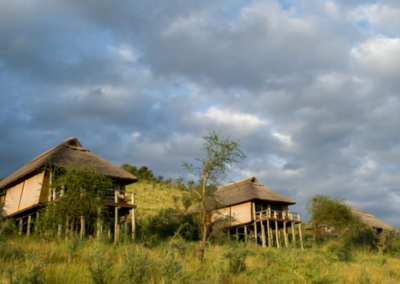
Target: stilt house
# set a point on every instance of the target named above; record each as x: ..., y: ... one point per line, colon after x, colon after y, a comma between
x: 255, y: 212
x: 27, y: 191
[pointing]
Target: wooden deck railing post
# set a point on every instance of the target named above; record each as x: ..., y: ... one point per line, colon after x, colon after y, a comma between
x: 269, y: 234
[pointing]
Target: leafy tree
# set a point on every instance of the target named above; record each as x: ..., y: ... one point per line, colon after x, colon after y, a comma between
x: 385, y: 239
x: 330, y: 212
x: 143, y: 173
x: 220, y: 155
x: 334, y: 213
x: 84, y: 197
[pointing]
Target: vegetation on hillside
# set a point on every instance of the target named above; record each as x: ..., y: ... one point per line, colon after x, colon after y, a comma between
x: 220, y: 155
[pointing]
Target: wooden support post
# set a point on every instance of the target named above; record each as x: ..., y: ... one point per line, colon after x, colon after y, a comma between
x: 125, y: 225
x: 59, y: 230
x: 276, y: 233
x: 36, y: 221
x: 293, y: 235
x: 50, y: 191
x: 269, y: 234
x: 28, y: 229
x: 229, y: 234
x: 83, y: 232
x: 245, y: 234
x: 237, y: 234
x: 255, y: 224
x: 20, y: 227
x: 301, y: 237
x: 133, y: 217
x: 98, y: 235
x: 285, y: 235
x: 263, y: 234
x: 272, y: 237
x: 255, y: 233
x: 116, y: 233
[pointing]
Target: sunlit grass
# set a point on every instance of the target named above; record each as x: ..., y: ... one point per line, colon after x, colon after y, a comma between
x: 24, y: 258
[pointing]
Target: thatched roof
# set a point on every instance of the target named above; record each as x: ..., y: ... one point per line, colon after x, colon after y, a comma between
x: 70, y: 153
x: 246, y: 190
x: 366, y: 218
x: 242, y: 191
x: 371, y: 220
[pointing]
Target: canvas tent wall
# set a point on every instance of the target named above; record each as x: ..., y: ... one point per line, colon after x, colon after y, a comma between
x: 24, y: 194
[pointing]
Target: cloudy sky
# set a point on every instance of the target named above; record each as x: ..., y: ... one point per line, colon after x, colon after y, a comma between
x: 309, y: 87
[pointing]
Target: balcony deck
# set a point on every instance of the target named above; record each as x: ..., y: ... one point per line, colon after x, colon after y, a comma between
x: 277, y: 215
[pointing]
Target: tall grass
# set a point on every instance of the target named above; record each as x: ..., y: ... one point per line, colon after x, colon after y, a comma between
x: 29, y: 260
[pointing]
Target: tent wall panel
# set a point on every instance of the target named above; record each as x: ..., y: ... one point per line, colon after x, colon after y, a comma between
x: 13, y: 199
x: 31, y: 192
x: 241, y: 213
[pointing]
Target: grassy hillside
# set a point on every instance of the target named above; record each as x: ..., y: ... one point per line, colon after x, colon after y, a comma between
x: 174, y: 260
x: 151, y: 197
x: 26, y: 260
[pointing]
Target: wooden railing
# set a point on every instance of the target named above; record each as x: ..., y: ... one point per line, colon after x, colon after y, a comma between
x: 276, y: 214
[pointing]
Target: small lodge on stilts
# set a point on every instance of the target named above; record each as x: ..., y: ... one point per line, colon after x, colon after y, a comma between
x: 27, y: 192
x: 256, y: 213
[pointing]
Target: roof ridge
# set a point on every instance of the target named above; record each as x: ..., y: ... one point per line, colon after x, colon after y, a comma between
x: 66, y: 143
x: 251, y: 179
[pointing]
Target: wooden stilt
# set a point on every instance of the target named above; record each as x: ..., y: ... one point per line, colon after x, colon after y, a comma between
x: 301, y: 237
x: 255, y: 233
x: 98, y: 227
x: 83, y: 232
x: 293, y: 235
x: 20, y: 227
x: 269, y: 234
x: 263, y: 234
x: 36, y: 221
x: 59, y: 230
x: 237, y: 234
x: 133, y: 216
x: 285, y: 235
x: 255, y: 224
x: 125, y: 225
x: 276, y: 233
x: 245, y: 234
x: 28, y: 229
x: 116, y: 233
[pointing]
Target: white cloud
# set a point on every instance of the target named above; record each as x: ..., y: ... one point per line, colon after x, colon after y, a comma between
x: 379, y: 56
x: 284, y: 139
x: 236, y: 119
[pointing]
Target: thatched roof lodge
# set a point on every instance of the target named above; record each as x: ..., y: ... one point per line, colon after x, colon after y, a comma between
x: 28, y: 188
x: 250, y: 206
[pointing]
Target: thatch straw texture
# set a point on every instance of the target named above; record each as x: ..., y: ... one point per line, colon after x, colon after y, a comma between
x: 242, y: 191
x: 70, y: 153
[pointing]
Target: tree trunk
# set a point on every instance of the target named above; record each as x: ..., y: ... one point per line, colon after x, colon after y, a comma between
x: 201, y: 251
